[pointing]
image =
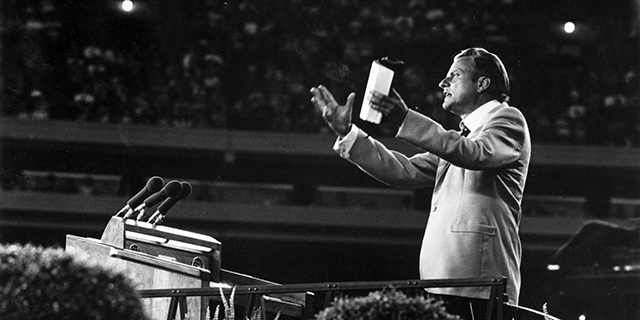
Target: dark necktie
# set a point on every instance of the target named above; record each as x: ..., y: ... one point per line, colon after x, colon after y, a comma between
x: 465, y: 131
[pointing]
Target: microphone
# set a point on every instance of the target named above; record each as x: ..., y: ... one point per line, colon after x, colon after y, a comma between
x: 171, y: 189
x: 153, y: 185
x: 164, y: 207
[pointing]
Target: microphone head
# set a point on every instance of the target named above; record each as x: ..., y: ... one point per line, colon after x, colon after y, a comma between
x: 173, y: 188
x: 186, y: 189
x: 172, y: 200
x: 155, y: 184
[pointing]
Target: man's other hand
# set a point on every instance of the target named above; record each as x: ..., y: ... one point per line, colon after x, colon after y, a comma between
x: 392, y: 106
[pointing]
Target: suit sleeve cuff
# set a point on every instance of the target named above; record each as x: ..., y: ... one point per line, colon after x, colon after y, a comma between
x: 343, y: 144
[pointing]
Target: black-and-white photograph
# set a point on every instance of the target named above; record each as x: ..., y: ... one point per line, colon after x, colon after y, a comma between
x: 320, y: 160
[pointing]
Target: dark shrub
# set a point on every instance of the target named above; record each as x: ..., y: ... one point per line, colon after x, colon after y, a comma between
x: 48, y: 283
x: 387, y: 304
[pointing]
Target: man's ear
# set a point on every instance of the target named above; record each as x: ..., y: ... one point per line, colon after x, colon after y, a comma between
x: 483, y: 83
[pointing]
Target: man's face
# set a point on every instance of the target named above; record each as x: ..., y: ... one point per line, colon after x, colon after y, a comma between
x: 459, y: 90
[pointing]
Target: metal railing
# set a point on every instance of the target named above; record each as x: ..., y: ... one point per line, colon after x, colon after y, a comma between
x: 257, y: 293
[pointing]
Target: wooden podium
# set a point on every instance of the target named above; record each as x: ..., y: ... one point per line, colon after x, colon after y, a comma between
x: 163, y: 258
x: 155, y: 257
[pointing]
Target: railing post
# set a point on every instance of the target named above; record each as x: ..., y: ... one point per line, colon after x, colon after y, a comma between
x: 497, y: 299
x: 177, y: 302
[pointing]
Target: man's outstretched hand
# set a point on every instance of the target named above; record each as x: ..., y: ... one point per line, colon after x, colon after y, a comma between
x: 337, y: 116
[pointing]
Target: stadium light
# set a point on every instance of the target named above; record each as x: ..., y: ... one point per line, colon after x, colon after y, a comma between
x: 569, y: 27
x: 127, y: 5
x: 553, y: 267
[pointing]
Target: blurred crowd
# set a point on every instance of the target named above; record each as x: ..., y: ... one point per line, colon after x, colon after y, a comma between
x: 247, y: 65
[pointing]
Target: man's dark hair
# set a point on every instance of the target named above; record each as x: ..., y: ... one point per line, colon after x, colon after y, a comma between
x: 489, y: 65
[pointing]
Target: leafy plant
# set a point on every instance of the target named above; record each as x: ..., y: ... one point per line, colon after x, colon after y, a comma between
x: 229, y: 310
x: 38, y: 283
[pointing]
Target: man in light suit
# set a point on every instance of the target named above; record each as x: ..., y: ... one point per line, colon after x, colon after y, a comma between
x: 478, y: 174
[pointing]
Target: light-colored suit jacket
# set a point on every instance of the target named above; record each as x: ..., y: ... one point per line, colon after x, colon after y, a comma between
x: 478, y: 181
